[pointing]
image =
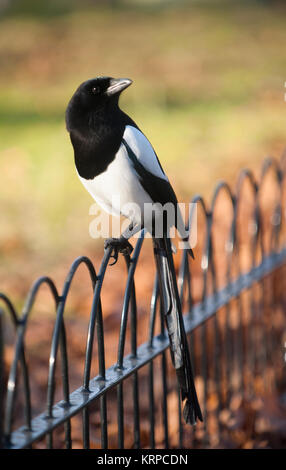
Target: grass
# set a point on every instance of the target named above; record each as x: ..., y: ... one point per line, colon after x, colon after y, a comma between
x: 208, y: 91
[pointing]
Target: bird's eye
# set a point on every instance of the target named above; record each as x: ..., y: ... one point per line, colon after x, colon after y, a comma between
x: 95, y: 90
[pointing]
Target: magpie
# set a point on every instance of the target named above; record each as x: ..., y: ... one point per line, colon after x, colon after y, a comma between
x: 114, y: 158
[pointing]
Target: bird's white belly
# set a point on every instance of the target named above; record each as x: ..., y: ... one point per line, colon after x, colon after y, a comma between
x: 118, y: 190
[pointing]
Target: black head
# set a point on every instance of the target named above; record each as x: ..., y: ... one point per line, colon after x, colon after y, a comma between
x: 93, y: 98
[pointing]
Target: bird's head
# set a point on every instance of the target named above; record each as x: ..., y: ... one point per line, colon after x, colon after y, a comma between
x: 94, y: 97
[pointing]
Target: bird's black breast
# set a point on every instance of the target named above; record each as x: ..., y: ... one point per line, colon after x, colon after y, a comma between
x: 96, y: 144
x: 93, y: 152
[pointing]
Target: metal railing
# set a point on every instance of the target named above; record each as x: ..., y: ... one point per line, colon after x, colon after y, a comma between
x: 234, y: 300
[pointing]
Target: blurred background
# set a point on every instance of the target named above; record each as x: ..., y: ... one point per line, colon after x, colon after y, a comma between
x: 209, y: 92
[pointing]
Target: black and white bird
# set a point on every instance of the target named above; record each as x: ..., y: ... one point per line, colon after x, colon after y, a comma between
x: 114, y: 158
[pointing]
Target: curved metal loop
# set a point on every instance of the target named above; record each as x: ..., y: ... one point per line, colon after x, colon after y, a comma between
x: 269, y: 164
x: 184, y: 270
x: 32, y: 296
x: 126, y: 301
x: 20, y: 355
x: 10, y: 307
x: 59, y: 332
x: 222, y: 186
x: 197, y: 199
x: 96, y: 318
x: 245, y: 176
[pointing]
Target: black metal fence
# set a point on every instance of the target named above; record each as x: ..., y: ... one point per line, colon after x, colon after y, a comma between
x: 234, y: 298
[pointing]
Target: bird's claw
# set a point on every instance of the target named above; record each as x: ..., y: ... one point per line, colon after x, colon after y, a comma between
x: 119, y: 245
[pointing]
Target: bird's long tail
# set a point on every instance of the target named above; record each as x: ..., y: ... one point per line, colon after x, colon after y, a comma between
x: 175, y: 326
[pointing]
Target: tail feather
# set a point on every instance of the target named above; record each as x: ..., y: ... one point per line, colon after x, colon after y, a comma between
x: 175, y: 326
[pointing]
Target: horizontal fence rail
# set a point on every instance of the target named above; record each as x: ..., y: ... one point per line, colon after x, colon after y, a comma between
x: 235, y: 321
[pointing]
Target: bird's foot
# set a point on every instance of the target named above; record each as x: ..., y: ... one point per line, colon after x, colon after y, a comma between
x: 119, y: 245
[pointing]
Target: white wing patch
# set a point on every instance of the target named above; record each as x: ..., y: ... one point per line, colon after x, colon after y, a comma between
x: 143, y: 150
x: 117, y: 188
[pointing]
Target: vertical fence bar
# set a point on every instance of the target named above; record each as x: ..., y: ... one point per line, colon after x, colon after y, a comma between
x: 153, y: 309
x: 164, y: 382
x: 128, y: 303
x: 85, y: 428
x: 184, y: 281
x: 103, y: 422
x: 120, y: 416
x: 133, y: 329
x: 65, y: 380
x: 151, y: 405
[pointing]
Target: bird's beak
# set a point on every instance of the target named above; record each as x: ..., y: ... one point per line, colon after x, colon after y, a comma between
x: 117, y: 85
